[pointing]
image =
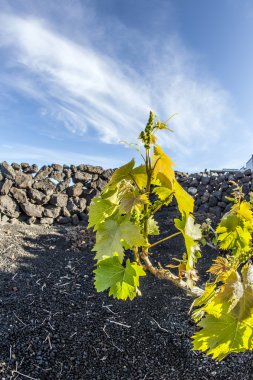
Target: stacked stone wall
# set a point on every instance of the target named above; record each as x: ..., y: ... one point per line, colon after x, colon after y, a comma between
x: 61, y: 194
x: 211, y: 189
x: 50, y: 194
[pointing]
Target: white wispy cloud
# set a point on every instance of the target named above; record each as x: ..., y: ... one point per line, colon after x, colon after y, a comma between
x: 87, y: 89
x: 84, y: 89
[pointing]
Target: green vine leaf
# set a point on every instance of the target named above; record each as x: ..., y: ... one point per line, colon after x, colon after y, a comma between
x: 121, y: 173
x: 123, y: 282
x: 111, y: 236
x: 110, y: 194
x: 99, y: 210
x: 234, y: 234
x: 128, y: 173
x: 133, y: 201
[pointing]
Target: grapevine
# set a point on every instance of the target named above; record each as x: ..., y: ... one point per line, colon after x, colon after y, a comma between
x: 123, y: 218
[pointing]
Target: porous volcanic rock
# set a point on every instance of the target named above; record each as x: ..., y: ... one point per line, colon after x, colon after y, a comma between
x: 81, y: 177
x: 75, y: 190
x: 19, y: 195
x: 9, y: 206
x: 7, y: 170
x: 51, y: 211
x: 37, y: 196
x: 23, y: 181
x: 6, y: 186
x: 45, y: 185
x: 59, y: 200
x: 32, y: 210
x: 43, y: 172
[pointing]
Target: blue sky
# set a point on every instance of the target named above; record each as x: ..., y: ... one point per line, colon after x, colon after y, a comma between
x: 78, y: 77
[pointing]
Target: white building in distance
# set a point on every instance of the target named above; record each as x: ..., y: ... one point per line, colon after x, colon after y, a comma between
x: 249, y: 164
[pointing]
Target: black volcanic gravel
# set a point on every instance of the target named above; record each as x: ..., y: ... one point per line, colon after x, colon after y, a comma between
x: 55, y: 326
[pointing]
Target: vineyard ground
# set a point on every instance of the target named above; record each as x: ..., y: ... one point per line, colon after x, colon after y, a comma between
x: 55, y: 326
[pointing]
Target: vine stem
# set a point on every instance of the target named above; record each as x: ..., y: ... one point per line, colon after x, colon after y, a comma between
x: 165, y: 274
x: 136, y: 255
x: 164, y: 239
x: 147, y: 190
x: 157, y: 209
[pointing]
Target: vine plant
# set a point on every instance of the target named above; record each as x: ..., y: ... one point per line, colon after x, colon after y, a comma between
x: 123, y: 218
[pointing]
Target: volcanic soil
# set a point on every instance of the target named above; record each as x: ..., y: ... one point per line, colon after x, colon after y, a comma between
x: 54, y: 325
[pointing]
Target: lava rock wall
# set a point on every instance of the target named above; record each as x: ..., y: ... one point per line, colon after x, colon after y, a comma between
x: 211, y: 189
x: 62, y: 194
x: 51, y: 194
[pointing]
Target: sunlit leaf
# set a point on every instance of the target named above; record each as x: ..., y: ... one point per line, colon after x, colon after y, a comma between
x: 99, y: 211
x: 122, y: 173
x: 244, y: 309
x: 184, y: 200
x: 233, y: 233
x: 123, y: 281
x: 222, y: 336
x: 220, y: 266
x: 153, y: 228
x: 228, y: 324
x: 139, y: 175
x: 162, y: 163
x: 244, y: 211
x: 110, y: 236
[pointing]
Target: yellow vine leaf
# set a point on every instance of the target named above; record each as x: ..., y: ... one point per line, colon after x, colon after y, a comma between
x: 222, y: 336
x: 184, y: 200
x: 228, y: 296
x: 244, y: 309
x: 163, y: 193
x: 202, y: 301
x: 163, y: 180
x: 228, y: 324
x: 162, y: 163
x: 139, y: 175
x: 244, y: 211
